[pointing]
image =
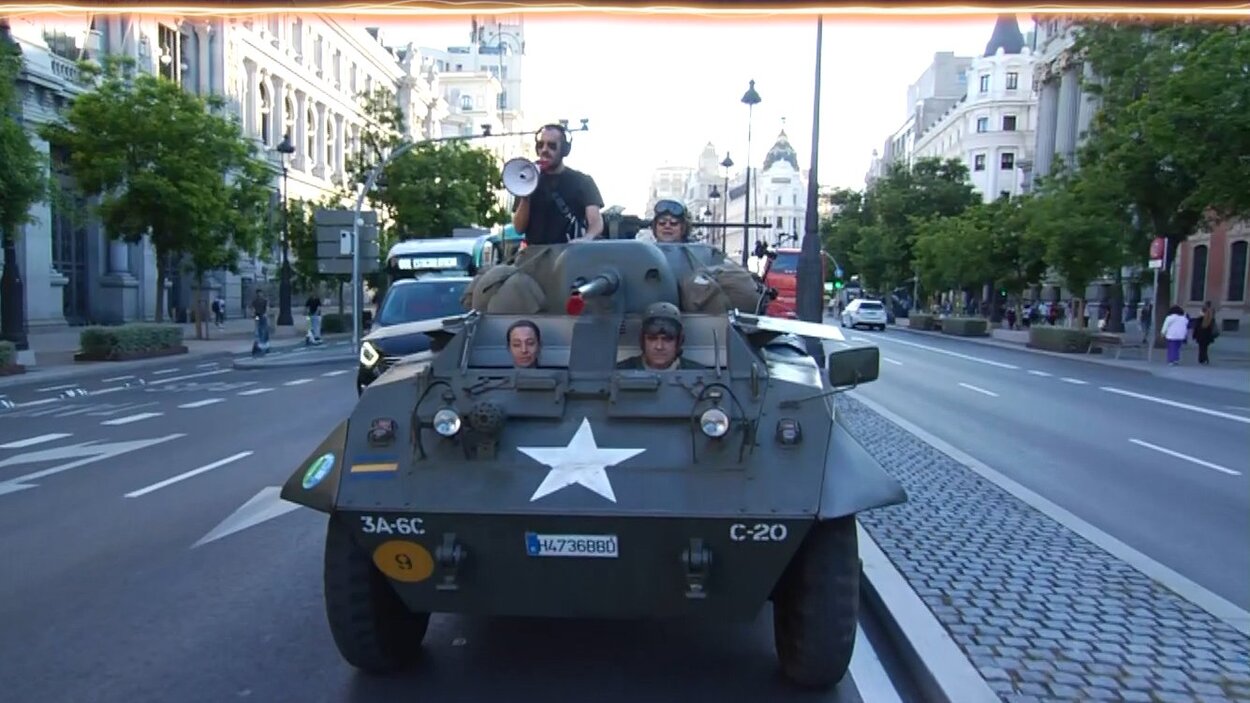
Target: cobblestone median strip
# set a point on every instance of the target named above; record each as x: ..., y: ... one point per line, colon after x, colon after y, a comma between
x: 1041, y: 612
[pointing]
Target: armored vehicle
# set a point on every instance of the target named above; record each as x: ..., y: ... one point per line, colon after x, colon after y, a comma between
x: 460, y: 484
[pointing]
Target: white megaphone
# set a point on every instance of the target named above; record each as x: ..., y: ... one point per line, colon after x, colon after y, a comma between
x: 520, y: 176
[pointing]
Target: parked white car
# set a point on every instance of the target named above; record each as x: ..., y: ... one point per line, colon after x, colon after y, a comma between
x: 870, y: 313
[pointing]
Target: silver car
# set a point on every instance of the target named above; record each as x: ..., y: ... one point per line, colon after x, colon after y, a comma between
x: 870, y: 313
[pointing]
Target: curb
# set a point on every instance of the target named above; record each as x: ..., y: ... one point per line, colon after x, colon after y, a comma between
x: 314, y: 359
x: 941, y: 670
x: 1020, y: 347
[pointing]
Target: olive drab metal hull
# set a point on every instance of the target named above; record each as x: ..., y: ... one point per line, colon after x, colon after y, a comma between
x: 581, y: 490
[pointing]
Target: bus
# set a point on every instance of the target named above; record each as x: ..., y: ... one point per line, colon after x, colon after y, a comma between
x: 781, y: 272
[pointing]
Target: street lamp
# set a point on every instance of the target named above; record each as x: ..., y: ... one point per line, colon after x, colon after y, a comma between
x: 712, y: 195
x: 751, y: 99
x: 728, y: 164
x: 286, y: 148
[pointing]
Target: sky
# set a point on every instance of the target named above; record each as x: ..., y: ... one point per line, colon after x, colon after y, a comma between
x: 657, y: 89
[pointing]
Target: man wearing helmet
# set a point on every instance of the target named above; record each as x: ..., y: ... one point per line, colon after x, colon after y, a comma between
x: 670, y: 222
x: 566, y: 204
x: 660, y: 338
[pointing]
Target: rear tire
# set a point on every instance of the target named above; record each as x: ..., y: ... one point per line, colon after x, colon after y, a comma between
x: 373, y: 629
x: 816, y: 606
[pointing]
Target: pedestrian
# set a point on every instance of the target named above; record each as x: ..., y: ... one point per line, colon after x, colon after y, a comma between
x: 1205, y: 332
x: 1011, y: 318
x: 260, y: 308
x: 313, y: 308
x: 1175, y: 329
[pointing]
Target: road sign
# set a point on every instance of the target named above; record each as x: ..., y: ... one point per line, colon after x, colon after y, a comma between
x: 339, y: 245
x: 1158, y: 252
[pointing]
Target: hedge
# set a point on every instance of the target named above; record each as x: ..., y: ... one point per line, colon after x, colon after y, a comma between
x: 920, y: 321
x: 335, y: 323
x: 966, y: 326
x: 1067, y: 340
x: 129, y: 339
x: 8, y: 353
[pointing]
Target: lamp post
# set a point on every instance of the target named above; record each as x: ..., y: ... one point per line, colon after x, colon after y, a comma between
x: 713, y: 195
x: 751, y: 99
x: 286, y: 148
x: 810, y: 284
x: 12, y: 289
x: 727, y: 164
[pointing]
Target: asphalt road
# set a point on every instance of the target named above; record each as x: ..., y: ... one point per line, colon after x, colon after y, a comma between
x: 126, y: 579
x: 1159, y: 464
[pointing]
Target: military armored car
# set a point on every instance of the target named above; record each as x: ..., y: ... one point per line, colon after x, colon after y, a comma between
x: 460, y: 484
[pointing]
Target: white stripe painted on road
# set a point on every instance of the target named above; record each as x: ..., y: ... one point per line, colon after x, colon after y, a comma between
x: 187, y: 475
x: 1175, y: 404
x: 162, y: 372
x: 1186, y: 457
x: 298, y: 382
x: 209, y: 365
x: 33, y: 403
x: 130, y: 418
x: 1073, y: 381
x: 926, y: 347
x: 971, y: 387
x: 871, y: 681
x: 1043, y: 374
x: 340, y: 372
x: 115, y: 378
x: 56, y: 388
x: 31, y: 441
x: 255, y: 391
x: 190, y: 375
x: 891, y: 361
x: 202, y: 403
x: 109, y: 390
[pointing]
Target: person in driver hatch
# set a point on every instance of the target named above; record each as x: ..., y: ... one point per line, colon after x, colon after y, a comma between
x: 670, y: 222
x: 660, y: 338
x: 525, y: 343
x: 566, y: 204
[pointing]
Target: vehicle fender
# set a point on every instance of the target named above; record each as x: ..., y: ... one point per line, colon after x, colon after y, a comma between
x: 313, y: 485
x: 854, y: 481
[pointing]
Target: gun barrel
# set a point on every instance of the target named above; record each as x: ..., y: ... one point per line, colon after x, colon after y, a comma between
x: 602, y: 284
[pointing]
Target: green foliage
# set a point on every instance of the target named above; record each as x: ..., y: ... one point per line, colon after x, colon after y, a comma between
x: 106, y: 342
x: 986, y: 243
x: 335, y: 323
x: 23, y: 180
x: 8, y: 353
x: 1066, y: 340
x: 165, y: 164
x: 966, y: 326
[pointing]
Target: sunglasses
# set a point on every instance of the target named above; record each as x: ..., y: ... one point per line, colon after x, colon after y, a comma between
x: 671, y: 208
x: 554, y: 146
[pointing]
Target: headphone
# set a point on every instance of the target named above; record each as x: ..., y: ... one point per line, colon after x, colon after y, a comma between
x: 566, y: 144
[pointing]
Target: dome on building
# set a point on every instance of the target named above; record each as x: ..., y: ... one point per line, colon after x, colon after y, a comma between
x: 1007, y: 36
x: 781, y: 151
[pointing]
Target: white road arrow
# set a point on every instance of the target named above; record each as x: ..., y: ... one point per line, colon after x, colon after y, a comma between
x: 84, y: 453
x: 263, y: 506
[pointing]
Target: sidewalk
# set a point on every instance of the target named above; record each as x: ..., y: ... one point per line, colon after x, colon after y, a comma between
x: 1229, y: 368
x: 54, y: 349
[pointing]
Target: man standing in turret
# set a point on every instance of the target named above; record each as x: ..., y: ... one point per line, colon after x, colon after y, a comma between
x: 566, y: 204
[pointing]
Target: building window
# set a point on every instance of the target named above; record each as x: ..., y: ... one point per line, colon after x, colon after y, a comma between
x: 329, y: 161
x: 266, y: 116
x: 978, y: 162
x: 779, y: 225
x: 1237, y: 272
x: 985, y: 83
x: 983, y: 125
x: 466, y: 102
x: 1009, y: 123
x: 288, y: 120
x: 778, y: 200
x: 1198, y: 274
x: 1007, y: 161
x: 310, y: 129
x: 1013, y: 81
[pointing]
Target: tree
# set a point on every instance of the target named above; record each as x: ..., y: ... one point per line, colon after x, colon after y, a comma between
x: 1173, y: 128
x: 840, y: 233
x: 164, y: 166
x: 23, y: 182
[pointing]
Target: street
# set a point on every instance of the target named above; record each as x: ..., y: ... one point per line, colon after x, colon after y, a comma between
x: 149, y: 558
x: 1158, y: 464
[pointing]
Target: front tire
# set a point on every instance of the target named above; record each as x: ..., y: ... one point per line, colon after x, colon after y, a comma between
x: 816, y: 606
x: 373, y: 629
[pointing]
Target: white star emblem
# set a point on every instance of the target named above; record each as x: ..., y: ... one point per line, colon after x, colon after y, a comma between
x: 581, y: 462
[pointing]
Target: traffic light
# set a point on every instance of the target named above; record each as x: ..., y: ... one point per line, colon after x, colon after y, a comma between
x: 838, y: 284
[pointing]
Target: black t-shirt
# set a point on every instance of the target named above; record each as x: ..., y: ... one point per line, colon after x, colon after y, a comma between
x: 549, y: 222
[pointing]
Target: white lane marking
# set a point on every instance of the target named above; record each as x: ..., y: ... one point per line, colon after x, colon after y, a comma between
x: 109, y: 390
x: 340, y: 372
x: 115, y: 378
x: 971, y: 387
x: 1043, y: 374
x: 202, y: 403
x: 869, y: 675
x: 49, y: 389
x: 255, y: 391
x: 209, y: 365
x: 1186, y: 457
x: 264, y: 506
x: 162, y: 372
x: 31, y: 441
x: 130, y: 418
x: 171, y: 379
x: 84, y: 453
x: 999, y: 364
x: 1183, y: 406
x: 298, y: 381
x: 33, y: 403
x: 187, y: 475
x: 1073, y: 381
x: 891, y: 361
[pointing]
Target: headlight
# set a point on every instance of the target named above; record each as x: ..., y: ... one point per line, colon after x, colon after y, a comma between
x: 715, y: 423
x: 446, y: 422
x: 369, y: 355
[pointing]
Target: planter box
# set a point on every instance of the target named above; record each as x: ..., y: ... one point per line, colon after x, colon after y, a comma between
x: 966, y: 327
x: 12, y: 369
x: 1065, y: 340
x: 920, y: 321
x: 129, y: 356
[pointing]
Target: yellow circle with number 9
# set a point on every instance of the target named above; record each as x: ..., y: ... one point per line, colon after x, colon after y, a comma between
x: 404, y: 561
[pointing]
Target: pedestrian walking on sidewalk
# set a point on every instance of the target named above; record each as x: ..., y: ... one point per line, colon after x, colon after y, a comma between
x: 1175, y: 329
x: 313, y: 308
x: 1205, y: 332
x: 260, y: 308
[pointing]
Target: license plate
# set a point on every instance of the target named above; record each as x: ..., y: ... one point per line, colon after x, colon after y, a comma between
x: 601, y: 546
